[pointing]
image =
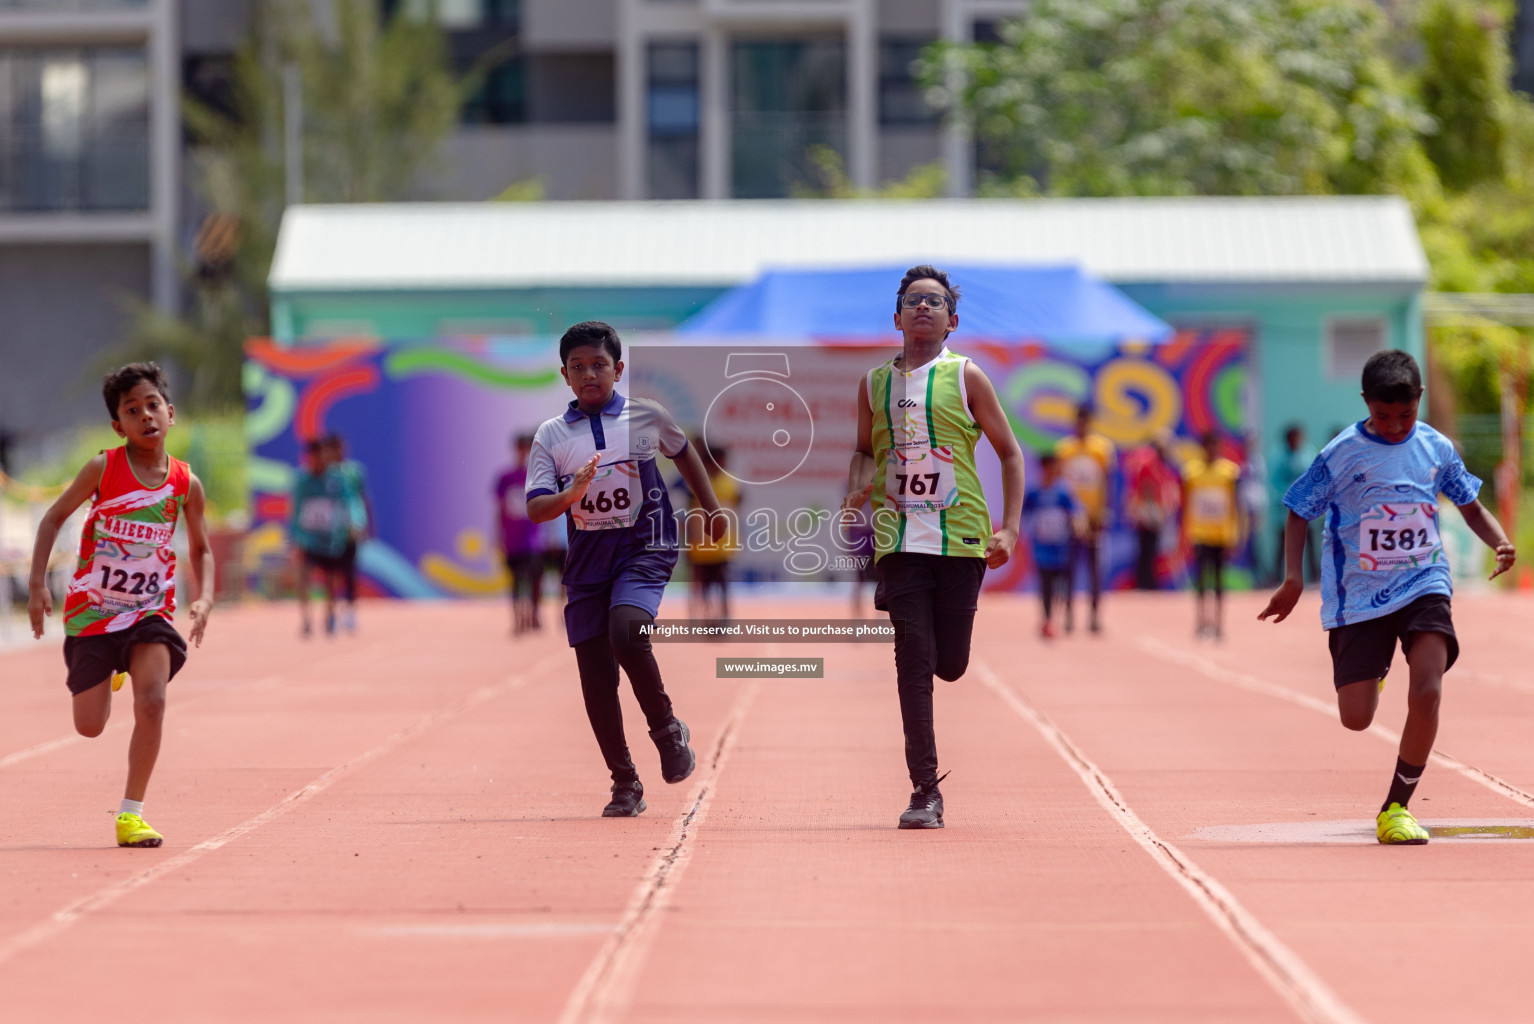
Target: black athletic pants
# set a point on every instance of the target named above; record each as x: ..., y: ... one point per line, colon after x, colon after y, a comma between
x: 1209, y: 563
x: 1088, y: 545
x: 931, y: 601
x: 349, y: 572
x: 1053, y: 583
x: 1145, y: 565
x: 598, y: 660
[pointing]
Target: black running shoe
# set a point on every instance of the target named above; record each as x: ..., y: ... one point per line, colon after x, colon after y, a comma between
x: 676, y: 758
x: 627, y: 801
x: 926, y: 809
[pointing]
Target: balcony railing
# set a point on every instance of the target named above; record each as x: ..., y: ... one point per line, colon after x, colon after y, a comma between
x: 107, y: 171
x: 70, y: 5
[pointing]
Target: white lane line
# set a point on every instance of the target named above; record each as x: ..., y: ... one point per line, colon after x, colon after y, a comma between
x: 62, y: 918
x: 1220, y: 674
x: 608, y: 982
x: 491, y: 930
x: 38, y: 750
x: 123, y: 721
x: 1299, y: 986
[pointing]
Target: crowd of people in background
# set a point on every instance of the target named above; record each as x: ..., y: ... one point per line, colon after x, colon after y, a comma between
x: 330, y: 514
x: 1193, y: 507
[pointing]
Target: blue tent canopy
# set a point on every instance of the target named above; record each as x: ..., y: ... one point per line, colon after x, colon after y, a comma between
x: 1059, y: 304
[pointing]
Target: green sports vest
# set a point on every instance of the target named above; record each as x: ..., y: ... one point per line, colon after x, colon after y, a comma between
x: 926, y: 497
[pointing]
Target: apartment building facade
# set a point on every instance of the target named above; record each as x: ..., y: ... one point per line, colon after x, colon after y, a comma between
x: 90, y: 143
x: 700, y: 99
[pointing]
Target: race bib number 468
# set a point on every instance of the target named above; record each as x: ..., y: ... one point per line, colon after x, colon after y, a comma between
x: 1403, y: 536
x: 612, y: 501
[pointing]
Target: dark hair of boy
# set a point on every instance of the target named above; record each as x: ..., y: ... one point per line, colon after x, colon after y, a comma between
x: 1048, y: 460
x: 927, y: 272
x: 1392, y: 376
x: 125, y: 378
x: 594, y: 333
x: 316, y: 446
x: 523, y: 440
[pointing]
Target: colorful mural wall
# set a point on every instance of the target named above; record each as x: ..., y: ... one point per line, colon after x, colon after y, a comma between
x: 432, y: 424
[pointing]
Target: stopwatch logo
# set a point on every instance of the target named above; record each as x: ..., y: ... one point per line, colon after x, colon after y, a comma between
x: 765, y: 424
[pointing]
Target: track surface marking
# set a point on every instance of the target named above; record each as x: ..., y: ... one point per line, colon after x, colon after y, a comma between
x: 380, y: 827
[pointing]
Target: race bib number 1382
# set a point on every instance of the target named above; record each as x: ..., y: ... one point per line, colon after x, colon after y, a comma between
x: 1403, y: 536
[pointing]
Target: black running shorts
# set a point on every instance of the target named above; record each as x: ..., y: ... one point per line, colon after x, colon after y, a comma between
x: 93, y: 659
x: 1363, y: 650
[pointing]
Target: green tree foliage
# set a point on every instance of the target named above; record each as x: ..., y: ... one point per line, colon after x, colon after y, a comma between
x: 378, y: 99
x: 1464, y: 88
x: 1188, y: 97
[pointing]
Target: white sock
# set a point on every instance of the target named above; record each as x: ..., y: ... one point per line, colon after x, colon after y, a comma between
x: 132, y: 807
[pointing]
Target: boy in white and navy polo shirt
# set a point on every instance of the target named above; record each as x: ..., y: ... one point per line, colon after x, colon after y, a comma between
x: 595, y: 464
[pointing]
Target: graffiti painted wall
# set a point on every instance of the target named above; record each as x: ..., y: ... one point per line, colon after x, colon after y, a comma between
x: 432, y: 424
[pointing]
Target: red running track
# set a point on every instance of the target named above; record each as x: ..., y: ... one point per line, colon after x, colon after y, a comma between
x: 402, y: 826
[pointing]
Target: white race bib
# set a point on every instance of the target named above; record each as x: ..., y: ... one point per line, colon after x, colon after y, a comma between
x: 612, y: 501
x: 317, y: 515
x: 920, y: 480
x: 1052, y: 526
x: 124, y: 584
x: 1210, y: 505
x: 1403, y: 536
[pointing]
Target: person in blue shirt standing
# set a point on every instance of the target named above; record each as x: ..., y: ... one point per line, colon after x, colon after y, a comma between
x: 1290, y: 463
x: 326, y: 514
x: 595, y: 465
x: 1384, y: 576
x: 1053, y: 519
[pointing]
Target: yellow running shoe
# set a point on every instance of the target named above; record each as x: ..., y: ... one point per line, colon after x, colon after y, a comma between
x: 118, y: 678
x: 132, y: 831
x: 1396, y: 826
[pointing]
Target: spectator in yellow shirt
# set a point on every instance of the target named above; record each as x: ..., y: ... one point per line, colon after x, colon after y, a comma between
x: 710, y: 559
x: 1212, y: 524
x: 1087, y: 461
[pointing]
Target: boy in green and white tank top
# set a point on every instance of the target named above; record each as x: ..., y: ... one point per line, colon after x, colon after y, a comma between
x: 919, y: 418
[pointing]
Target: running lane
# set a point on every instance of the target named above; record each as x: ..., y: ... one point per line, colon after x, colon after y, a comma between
x: 402, y: 826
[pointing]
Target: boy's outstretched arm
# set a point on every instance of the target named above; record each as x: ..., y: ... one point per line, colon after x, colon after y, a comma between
x: 861, y: 473
x: 39, y: 601
x: 551, y: 506
x: 988, y: 413
x: 690, y: 465
x: 201, y: 557
x: 1288, y: 593
x: 1486, y: 527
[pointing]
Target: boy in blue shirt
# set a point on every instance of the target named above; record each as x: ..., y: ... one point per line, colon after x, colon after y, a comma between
x: 595, y: 465
x: 1053, y: 517
x: 1383, y: 572
x: 326, y: 515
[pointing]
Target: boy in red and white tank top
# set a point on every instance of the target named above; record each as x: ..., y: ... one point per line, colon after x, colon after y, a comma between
x: 117, y: 616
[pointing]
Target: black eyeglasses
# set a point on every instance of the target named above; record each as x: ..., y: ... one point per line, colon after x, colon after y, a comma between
x: 931, y: 300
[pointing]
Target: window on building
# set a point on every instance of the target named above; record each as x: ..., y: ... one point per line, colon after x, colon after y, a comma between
x: 69, y: 5
x: 673, y: 112
x: 74, y: 129
x: 986, y: 30
x: 1350, y: 341
x: 456, y: 15
x: 502, y: 97
x: 788, y: 103
x: 900, y: 95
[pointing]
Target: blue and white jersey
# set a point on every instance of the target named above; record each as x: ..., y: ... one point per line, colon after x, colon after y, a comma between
x: 1382, y: 549
x: 626, y: 513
